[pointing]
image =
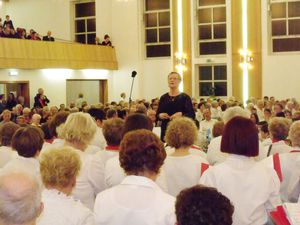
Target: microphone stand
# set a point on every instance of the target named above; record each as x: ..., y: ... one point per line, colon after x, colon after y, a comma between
x: 130, y: 100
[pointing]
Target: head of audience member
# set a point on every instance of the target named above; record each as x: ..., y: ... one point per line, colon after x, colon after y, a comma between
x: 174, y: 80
x: 123, y: 95
x: 279, y: 128
x: 278, y: 108
x: 6, y: 116
x: 288, y: 114
x: 21, y: 120
x: 26, y: 112
x: 45, y: 111
x: 11, y: 97
x: 152, y: 115
x: 97, y: 41
x: 201, y: 106
x: 59, y: 168
x: 123, y: 113
x: 240, y: 137
x: 176, y: 138
x: 98, y: 115
x: 7, y: 17
x: 254, y: 118
x: 62, y: 107
x: 72, y: 105
x: 263, y: 130
x: 154, y: 104
x: 200, y: 205
x: 218, y: 129
x: 260, y: 104
x: 137, y: 121
x: 20, y: 198
x: 113, y: 131
x: 142, y: 154
x: 21, y: 100
x: 106, y: 38
x: 294, y: 134
x: 57, y: 122
x: 207, y: 114
x: 111, y: 113
x: 7, y: 131
x: 267, y: 114
x: 79, y: 130
x: 296, y: 116
x: 49, y: 33
x: 36, y: 120
x: 28, y: 141
x: 141, y: 108
x: 233, y: 112
x: 53, y: 110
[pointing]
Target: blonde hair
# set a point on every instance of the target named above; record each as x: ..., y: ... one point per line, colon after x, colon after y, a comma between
x: 58, y: 166
x: 79, y: 127
x: 279, y: 128
x: 294, y: 134
x: 181, y: 132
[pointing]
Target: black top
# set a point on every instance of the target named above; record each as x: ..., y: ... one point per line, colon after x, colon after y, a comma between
x: 47, y: 38
x: 173, y: 104
x: 40, y: 103
x: 9, y: 23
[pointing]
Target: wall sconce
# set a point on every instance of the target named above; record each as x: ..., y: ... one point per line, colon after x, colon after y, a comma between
x: 246, y: 59
x: 180, y: 61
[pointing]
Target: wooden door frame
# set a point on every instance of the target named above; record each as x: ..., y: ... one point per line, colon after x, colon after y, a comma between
x: 19, y: 82
x: 103, y: 94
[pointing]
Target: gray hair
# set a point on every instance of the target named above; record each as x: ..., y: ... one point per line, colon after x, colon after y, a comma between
x: 294, y: 134
x: 20, y: 197
x: 233, y: 112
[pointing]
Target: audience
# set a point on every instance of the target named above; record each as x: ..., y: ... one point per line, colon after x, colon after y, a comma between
x: 201, y: 205
x: 59, y: 169
x: 141, y: 156
x: 20, y: 198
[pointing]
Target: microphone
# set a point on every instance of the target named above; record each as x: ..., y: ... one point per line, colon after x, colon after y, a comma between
x: 133, y: 74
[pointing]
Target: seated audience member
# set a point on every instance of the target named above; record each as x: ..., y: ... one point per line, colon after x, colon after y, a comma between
x: 267, y: 115
x: 278, y: 110
x: 279, y: 130
x: 56, y: 123
x: 252, y: 187
x: 113, y: 133
x: 7, y: 131
x: 59, y: 169
x: 21, y: 33
x: 264, y: 134
x: 27, y: 115
x: 8, y: 22
x: 36, y: 120
x: 53, y: 110
x: 21, y: 120
x: 99, y: 116
x: 214, y: 153
x: 77, y: 132
x: 28, y: 142
x: 216, y: 113
x: 254, y: 118
x: 48, y: 37
x: 141, y: 156
x: 111, y: 113
x: 97, y: 41
x: 206, y: 126
x: 62, y: 107
x: 260, y: 109
x: 218, y: 129
x: 45, y: 114
x: 30, y: 34
x: 106, y: 41
x: 296, y: 116
x: 5, y: 116
x: 35, y: 36
x: 183, y: 167
x: 287, y: 165
x: 20, y: 198
x: 201, y: 205
x: 288, y: 114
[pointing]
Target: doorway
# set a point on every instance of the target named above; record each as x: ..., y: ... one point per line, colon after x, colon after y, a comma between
x: 18, y: 88
x: 94, y: 91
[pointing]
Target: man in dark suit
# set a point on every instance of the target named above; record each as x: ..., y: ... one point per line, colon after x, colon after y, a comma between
x: 48, y: 37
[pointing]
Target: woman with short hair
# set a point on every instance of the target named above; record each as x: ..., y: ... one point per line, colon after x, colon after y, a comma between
x: 252, y: 188
x: 183, y: 166
x: 59, y: 169
x: 138, y: 199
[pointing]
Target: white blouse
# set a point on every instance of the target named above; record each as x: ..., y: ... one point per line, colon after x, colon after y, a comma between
x: 6, y: 154
x: 137, y: 200
x: 114, y: 174
x: 251, y: 187
x: 90, y: 180
x: 182, y: 172
x: 277, y: 147
x: 60, y: 209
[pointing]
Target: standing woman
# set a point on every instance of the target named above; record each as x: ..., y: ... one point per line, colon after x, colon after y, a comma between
x: 174, y: 103
x: 11, y: 101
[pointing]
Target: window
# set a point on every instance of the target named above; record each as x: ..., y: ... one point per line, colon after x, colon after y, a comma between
x: 85, y: 22
x: 285, y: 25
x: 213, y: 80
x: 211, y: 21
x: 157, y: 28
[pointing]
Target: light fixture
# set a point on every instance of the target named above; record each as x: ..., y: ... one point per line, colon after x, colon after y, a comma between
x: 13, y: 73
x: 180, y: 60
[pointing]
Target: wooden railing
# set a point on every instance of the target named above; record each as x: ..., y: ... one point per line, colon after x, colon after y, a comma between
x: 29, y: 54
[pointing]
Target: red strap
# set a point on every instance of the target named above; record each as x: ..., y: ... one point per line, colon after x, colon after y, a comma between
x: 277, y: 166
x: 204, y: 167
x: 196, y: 147
x: 295, y: 151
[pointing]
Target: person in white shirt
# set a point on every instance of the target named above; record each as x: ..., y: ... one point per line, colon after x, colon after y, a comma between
x: 214, y: 154
x: 7, y: 131
x: 28, y: 142
x: 201, y: 205
x: 279, y: 129
x: 216, y: 112
x: 20, y: 198
x: 287, y: 166
x: 113, y: 133
x: 182, y: 168
x: 59, y: 169
x: 79, y: 101
x: 77, y: 132
x: 138, y: 199
x: 264, y: 134
x: 206, y: 126
x: 251, y: 187
x: 260, y: 109
x: 99, y: 116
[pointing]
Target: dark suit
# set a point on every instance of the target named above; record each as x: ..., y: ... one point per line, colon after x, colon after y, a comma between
x: 46, y: 38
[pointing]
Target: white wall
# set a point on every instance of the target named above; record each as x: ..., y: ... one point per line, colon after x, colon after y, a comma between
x: 53, y: 81
x: 280, y: 72
x: 42, y: 15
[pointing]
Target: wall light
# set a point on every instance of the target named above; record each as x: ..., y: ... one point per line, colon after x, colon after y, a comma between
x: 13, y: 73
